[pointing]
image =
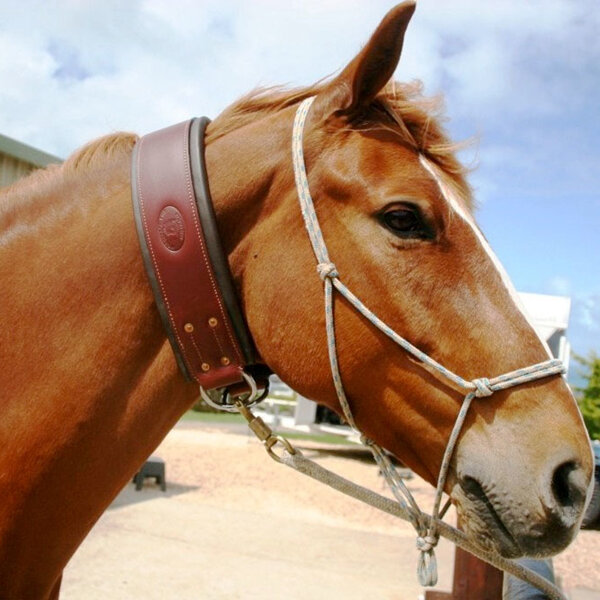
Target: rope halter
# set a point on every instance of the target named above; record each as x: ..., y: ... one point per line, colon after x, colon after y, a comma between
x: 425, y: 525
x: 327, y: 270
x: 482, y: 386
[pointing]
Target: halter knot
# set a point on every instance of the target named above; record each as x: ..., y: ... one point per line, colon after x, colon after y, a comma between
x: 427, y: 565
x: 483, y: 388
x: 426, y: 543
x: 327, y: 270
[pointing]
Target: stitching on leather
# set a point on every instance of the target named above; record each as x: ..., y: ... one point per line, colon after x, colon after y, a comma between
x: 214, y: 332
x: 188, y: 182
x: 154, y: 261
x: 196, y: 347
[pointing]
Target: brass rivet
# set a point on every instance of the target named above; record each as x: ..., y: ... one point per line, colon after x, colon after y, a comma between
x: 188, y: 327
x: 205, y: 367
x: 213, y: 322
x: 225, y: 361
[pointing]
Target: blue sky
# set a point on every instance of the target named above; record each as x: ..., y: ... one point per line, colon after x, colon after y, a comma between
x: 522, y: 77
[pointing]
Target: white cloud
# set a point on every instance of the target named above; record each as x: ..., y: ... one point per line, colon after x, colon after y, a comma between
x: 588, y: 314
x: 585, y: 324
x: 148, y: 63
x: 559, y: 285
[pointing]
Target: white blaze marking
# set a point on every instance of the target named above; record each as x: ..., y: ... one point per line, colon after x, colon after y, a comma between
x: 457, y: 207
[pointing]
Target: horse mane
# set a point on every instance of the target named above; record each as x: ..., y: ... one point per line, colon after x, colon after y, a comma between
x: 399, y: 107
x: 98, y: 151
x: 36, y: 192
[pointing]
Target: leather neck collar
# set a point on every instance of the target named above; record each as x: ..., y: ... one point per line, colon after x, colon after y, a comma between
x: 184, y: 259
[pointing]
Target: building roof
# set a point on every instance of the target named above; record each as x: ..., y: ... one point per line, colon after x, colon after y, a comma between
x: 26, y: 153
x: 549, y: 313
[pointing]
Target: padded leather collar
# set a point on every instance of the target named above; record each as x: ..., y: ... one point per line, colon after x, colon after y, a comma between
x: 184, y: 259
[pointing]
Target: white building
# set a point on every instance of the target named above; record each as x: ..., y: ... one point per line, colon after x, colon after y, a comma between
x: 550, y: 317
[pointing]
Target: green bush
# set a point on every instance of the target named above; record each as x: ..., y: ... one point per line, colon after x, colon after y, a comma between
x: 588, y: 396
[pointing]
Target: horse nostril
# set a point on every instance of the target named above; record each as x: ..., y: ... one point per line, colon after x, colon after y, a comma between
x: 569, y: 489
x: 473, y: 488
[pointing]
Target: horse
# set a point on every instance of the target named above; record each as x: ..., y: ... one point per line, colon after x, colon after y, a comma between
x: 90, y: 385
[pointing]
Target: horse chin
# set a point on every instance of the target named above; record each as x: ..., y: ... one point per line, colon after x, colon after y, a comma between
x: 484, y: 527
x: 493, y: 528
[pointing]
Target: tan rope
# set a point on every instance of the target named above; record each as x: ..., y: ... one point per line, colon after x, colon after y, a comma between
x: 300, y: 463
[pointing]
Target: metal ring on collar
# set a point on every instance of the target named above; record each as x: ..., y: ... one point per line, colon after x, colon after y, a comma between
x: 218, y: 399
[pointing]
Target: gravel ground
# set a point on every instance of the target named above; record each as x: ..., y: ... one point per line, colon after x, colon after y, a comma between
x: 267, y: 518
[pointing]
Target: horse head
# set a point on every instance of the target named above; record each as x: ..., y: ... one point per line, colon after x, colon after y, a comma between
x: 396, y: 214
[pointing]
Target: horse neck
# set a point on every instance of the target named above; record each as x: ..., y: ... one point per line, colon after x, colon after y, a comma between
x: 89, y: 381
x: 89, y: 384
x: 244, y: 195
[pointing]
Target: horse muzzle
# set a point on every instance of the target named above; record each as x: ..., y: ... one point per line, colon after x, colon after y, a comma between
x: 536, y: 519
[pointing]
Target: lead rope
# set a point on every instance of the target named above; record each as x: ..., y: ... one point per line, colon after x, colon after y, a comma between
x: 293, y: 458
x: 428, y: 528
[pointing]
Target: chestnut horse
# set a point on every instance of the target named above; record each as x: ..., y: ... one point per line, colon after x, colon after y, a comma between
x: 89, y: 385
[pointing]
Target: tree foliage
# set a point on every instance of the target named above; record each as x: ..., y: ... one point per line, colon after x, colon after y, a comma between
x: 588, y: 396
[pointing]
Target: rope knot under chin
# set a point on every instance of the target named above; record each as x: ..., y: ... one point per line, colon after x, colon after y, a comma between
x: 427, y: 566
x: 426, y: 543
x: 483, y: 388
x: 327, y: 270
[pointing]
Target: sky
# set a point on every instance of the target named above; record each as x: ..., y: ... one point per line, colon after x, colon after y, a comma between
x: 521, y: 78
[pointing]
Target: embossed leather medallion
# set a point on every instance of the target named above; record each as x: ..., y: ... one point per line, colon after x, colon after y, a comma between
x: 171, y: 228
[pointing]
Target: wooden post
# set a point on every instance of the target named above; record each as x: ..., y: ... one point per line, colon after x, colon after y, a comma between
x: 473, y: 580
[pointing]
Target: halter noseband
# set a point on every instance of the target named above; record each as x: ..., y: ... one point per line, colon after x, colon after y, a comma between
x: 425, y: 525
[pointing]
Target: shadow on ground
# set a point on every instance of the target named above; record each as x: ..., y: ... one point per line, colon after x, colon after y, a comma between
x: 359, y: 453
x: 313, y: 450
x: 128, y: 495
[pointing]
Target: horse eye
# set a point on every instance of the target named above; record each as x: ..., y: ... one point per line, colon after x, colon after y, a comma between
x: 406, y: 222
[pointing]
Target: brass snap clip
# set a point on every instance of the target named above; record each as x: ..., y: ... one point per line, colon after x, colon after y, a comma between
x: 263, y: 432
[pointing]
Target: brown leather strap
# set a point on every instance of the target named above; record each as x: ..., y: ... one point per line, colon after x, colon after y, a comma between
x: 177, y: 260
x: 218, y: 258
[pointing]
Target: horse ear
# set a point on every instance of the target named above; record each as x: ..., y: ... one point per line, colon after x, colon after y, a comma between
x: 364, y: 77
